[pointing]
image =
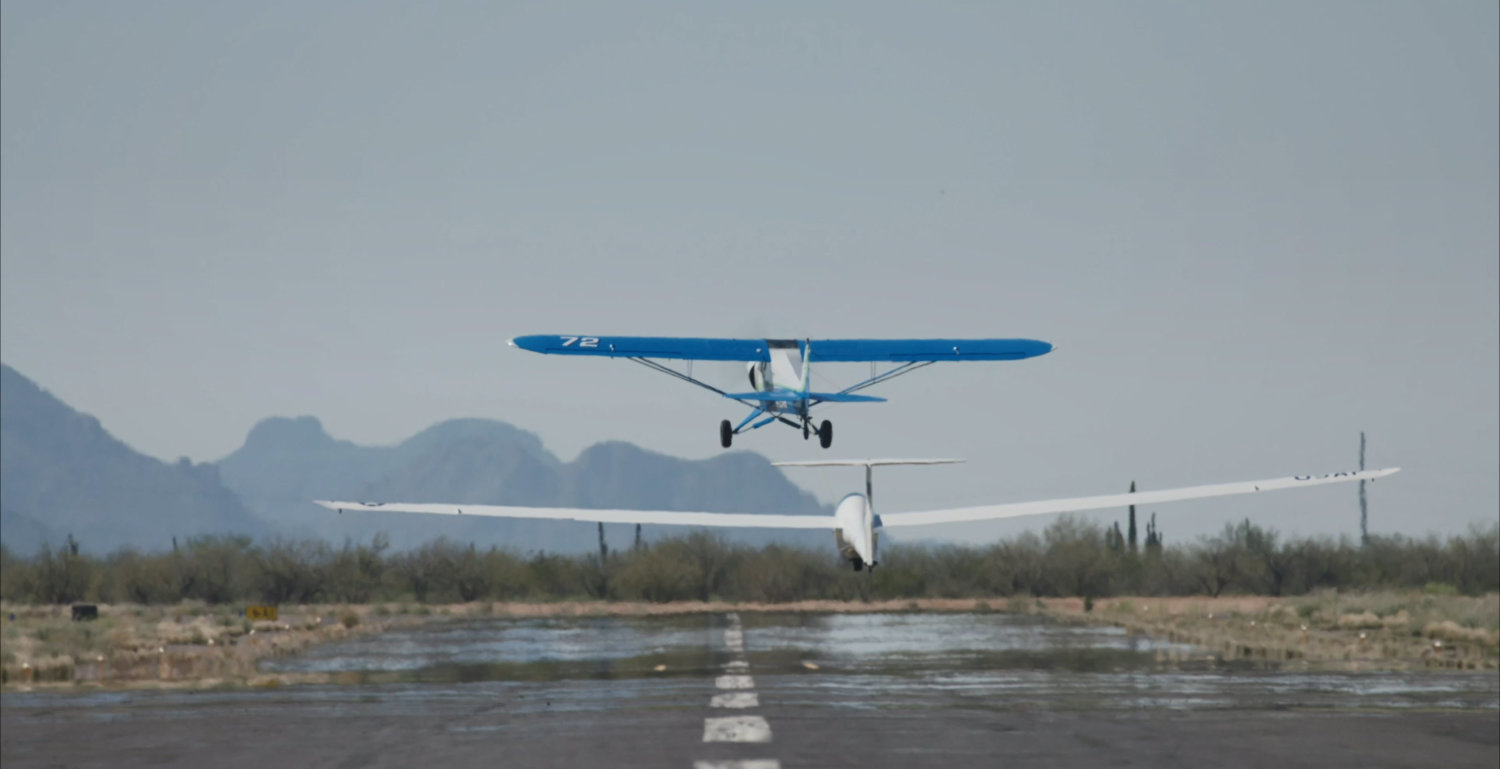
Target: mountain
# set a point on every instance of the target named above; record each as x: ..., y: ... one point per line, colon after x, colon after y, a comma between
x: 62, y: 473
x: 287, y: 462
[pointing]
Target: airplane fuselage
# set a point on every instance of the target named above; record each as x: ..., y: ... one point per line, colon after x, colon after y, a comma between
x: 784, y: 374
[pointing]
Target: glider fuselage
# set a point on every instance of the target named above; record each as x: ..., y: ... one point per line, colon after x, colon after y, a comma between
x: 855, y: 533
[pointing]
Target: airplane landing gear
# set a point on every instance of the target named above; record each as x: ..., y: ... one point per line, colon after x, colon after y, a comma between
x: 859, y: 563
x: 824, y: 429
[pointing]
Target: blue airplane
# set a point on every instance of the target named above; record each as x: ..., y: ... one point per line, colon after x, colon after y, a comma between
x: 779, y: 369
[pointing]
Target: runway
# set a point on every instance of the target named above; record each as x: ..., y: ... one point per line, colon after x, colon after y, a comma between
x: 763, y: 691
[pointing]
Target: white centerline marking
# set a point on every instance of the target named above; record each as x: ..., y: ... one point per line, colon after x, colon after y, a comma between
x: 736, y: 729
x: 734, y: 682
x: 735, y: 700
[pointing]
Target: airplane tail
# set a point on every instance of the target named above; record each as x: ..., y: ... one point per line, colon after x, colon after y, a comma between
x: 788, y: 396
x: 806, y: 365
x: 844, y: 398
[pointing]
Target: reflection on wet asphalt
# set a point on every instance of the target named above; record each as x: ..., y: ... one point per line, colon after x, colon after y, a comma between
x: 871, y: 690
x: 1028, y: 663
x: 869, y: 661
x: 980, y: 660
x: 519, y: 650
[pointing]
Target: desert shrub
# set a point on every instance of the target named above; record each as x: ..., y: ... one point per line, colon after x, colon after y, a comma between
x: 292, y: 572
x: 1439, y: 588
x: 1072, y: 557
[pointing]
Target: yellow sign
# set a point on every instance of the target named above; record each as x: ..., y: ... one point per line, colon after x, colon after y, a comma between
x: 254, y: 613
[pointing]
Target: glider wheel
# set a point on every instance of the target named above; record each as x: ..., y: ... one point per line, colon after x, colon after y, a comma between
x: 726, y: 434
x: 825, y: 434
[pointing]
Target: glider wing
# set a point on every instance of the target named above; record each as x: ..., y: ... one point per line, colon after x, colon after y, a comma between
x: 654, y: 517
x: 1079, y: 504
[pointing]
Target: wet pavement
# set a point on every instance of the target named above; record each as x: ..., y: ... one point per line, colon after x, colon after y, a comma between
x: 787, y: 690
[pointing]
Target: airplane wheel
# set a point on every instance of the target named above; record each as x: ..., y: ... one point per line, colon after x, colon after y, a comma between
x: 804, y: 429
x: 726, y: 434
x: 825, y: 434
x: 859, y: 565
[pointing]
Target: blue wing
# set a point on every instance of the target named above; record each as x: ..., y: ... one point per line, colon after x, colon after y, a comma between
x: 669, y: 347
x: 823, y: 350
x: 919, y: 350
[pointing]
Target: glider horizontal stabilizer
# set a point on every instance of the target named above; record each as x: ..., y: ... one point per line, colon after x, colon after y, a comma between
x: 864, y: 462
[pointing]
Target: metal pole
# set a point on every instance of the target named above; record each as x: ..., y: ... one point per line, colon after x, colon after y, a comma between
x: 1364, y: 508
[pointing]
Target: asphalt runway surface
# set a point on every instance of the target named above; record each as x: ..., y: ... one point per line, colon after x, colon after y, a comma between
x: 764, y: 691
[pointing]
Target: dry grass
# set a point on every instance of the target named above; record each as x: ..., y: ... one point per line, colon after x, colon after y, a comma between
x: 1361, y: 621
x: 1366, y: 630
x: 183, y: 644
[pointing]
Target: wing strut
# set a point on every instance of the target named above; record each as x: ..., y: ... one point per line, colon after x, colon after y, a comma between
x: 904, y: 368
x: 668, y: 370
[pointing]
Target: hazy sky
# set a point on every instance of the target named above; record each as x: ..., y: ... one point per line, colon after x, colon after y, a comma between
x: 1252, y: 229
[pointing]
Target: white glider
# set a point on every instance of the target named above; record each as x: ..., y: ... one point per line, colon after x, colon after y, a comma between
x: 854, y: 521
